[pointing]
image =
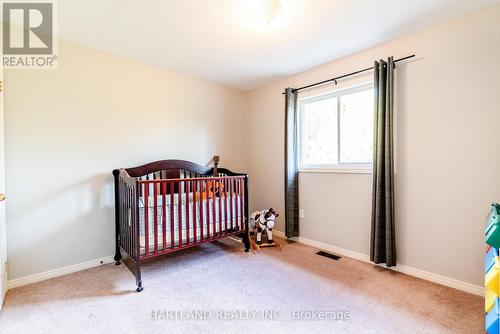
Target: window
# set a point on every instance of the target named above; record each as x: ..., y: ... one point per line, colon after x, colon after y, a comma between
x: 336, y: 130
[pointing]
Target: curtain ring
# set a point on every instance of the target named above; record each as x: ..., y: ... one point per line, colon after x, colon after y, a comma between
x: 335, y: 82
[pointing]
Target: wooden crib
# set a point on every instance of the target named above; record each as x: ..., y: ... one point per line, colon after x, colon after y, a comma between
x: 169, y: 205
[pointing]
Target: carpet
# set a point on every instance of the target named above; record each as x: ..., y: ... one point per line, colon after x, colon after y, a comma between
x: 217, y: 288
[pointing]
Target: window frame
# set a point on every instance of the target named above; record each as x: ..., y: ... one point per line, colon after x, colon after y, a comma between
x: 361, y: 168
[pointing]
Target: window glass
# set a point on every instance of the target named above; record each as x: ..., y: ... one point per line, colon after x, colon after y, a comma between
x: 356, y: 127
x: 320, y: 132
x: 336, y: 130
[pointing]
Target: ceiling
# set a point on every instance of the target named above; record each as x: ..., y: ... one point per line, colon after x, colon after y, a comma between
x: 220, y: 41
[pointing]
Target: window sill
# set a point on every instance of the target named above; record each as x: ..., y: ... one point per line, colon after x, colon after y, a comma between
x: 336, y: 170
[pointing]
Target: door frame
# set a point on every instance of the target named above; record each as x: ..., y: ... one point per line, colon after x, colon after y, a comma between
x: 3, y: 223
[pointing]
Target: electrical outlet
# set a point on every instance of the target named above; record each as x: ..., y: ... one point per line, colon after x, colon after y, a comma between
x: 301, y: 213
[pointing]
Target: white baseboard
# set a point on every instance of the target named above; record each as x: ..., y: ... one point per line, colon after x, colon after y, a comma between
x: 17, y: 282
x: 426, y: 275
x: 443, y: 280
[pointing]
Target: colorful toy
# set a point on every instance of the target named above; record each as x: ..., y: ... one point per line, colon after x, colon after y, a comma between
x: 259, y: 222
x: 492, y: 272
x: 491, y: 278
x: 489, y: 259
x: 263, y: 221
x: 493, y: 229
x: 492, y: 321
x: 489, y: 300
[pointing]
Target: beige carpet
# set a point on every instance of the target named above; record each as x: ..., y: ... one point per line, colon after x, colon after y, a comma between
x: 221, y: 277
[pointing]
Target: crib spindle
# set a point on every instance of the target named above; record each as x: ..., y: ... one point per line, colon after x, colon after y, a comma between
x: 123, y: 212
x: 179, y: 213
x: 187, y: 190
x: 236, y: 203
x: 225, y: 204
x: 240, y: 208
x: 242, y: 201
x: 132, y: 225
x: 155, y: 218
x: 211, y: 198
x: 195, y: 230
x: 206, y: 205
x: 131, y: 217
x: 231, y: 192
x: 127, y: 217
x: 217, y: 197
x: 164, y: 214
x: 172, y: 213
x: 146, y: 217
x: 200, y: 187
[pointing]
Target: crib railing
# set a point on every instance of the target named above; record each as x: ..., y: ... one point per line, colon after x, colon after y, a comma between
x: 180, y: 213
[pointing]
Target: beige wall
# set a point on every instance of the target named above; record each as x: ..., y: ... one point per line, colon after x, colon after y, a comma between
x: 66, y: 129
x: 448, y: 161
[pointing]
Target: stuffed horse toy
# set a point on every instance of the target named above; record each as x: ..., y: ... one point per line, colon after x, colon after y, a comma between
x: 263, y: 221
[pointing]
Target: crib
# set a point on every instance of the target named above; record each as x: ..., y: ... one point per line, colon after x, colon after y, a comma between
x: 170, y: 205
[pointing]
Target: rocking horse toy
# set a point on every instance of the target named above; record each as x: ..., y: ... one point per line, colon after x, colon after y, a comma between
x: 263, y: 222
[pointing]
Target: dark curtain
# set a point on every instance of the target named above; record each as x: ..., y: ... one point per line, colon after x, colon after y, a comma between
x: 291, y: 164
x: 383, y: 239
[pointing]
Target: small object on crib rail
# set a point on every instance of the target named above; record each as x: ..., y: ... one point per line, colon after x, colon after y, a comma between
x: 260, y: 222
x: 216, y: 159
x: 214, y: 188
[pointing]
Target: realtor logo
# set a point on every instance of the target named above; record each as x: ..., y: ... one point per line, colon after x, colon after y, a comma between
x: 28, y: 34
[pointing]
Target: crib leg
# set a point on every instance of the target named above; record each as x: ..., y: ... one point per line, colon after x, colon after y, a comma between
x: 246, y: 240
x: 139, y: 282
x: 118, y: 256
x: 138, y: 278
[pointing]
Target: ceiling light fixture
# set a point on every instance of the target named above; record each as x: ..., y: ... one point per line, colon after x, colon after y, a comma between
x: 263, y: 15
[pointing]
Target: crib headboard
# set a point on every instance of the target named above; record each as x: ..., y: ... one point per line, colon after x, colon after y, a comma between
x: 174, y: 169
x: 169, y: 169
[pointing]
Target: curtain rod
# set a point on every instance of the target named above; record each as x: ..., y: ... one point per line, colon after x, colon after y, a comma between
x: 345, y: 75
